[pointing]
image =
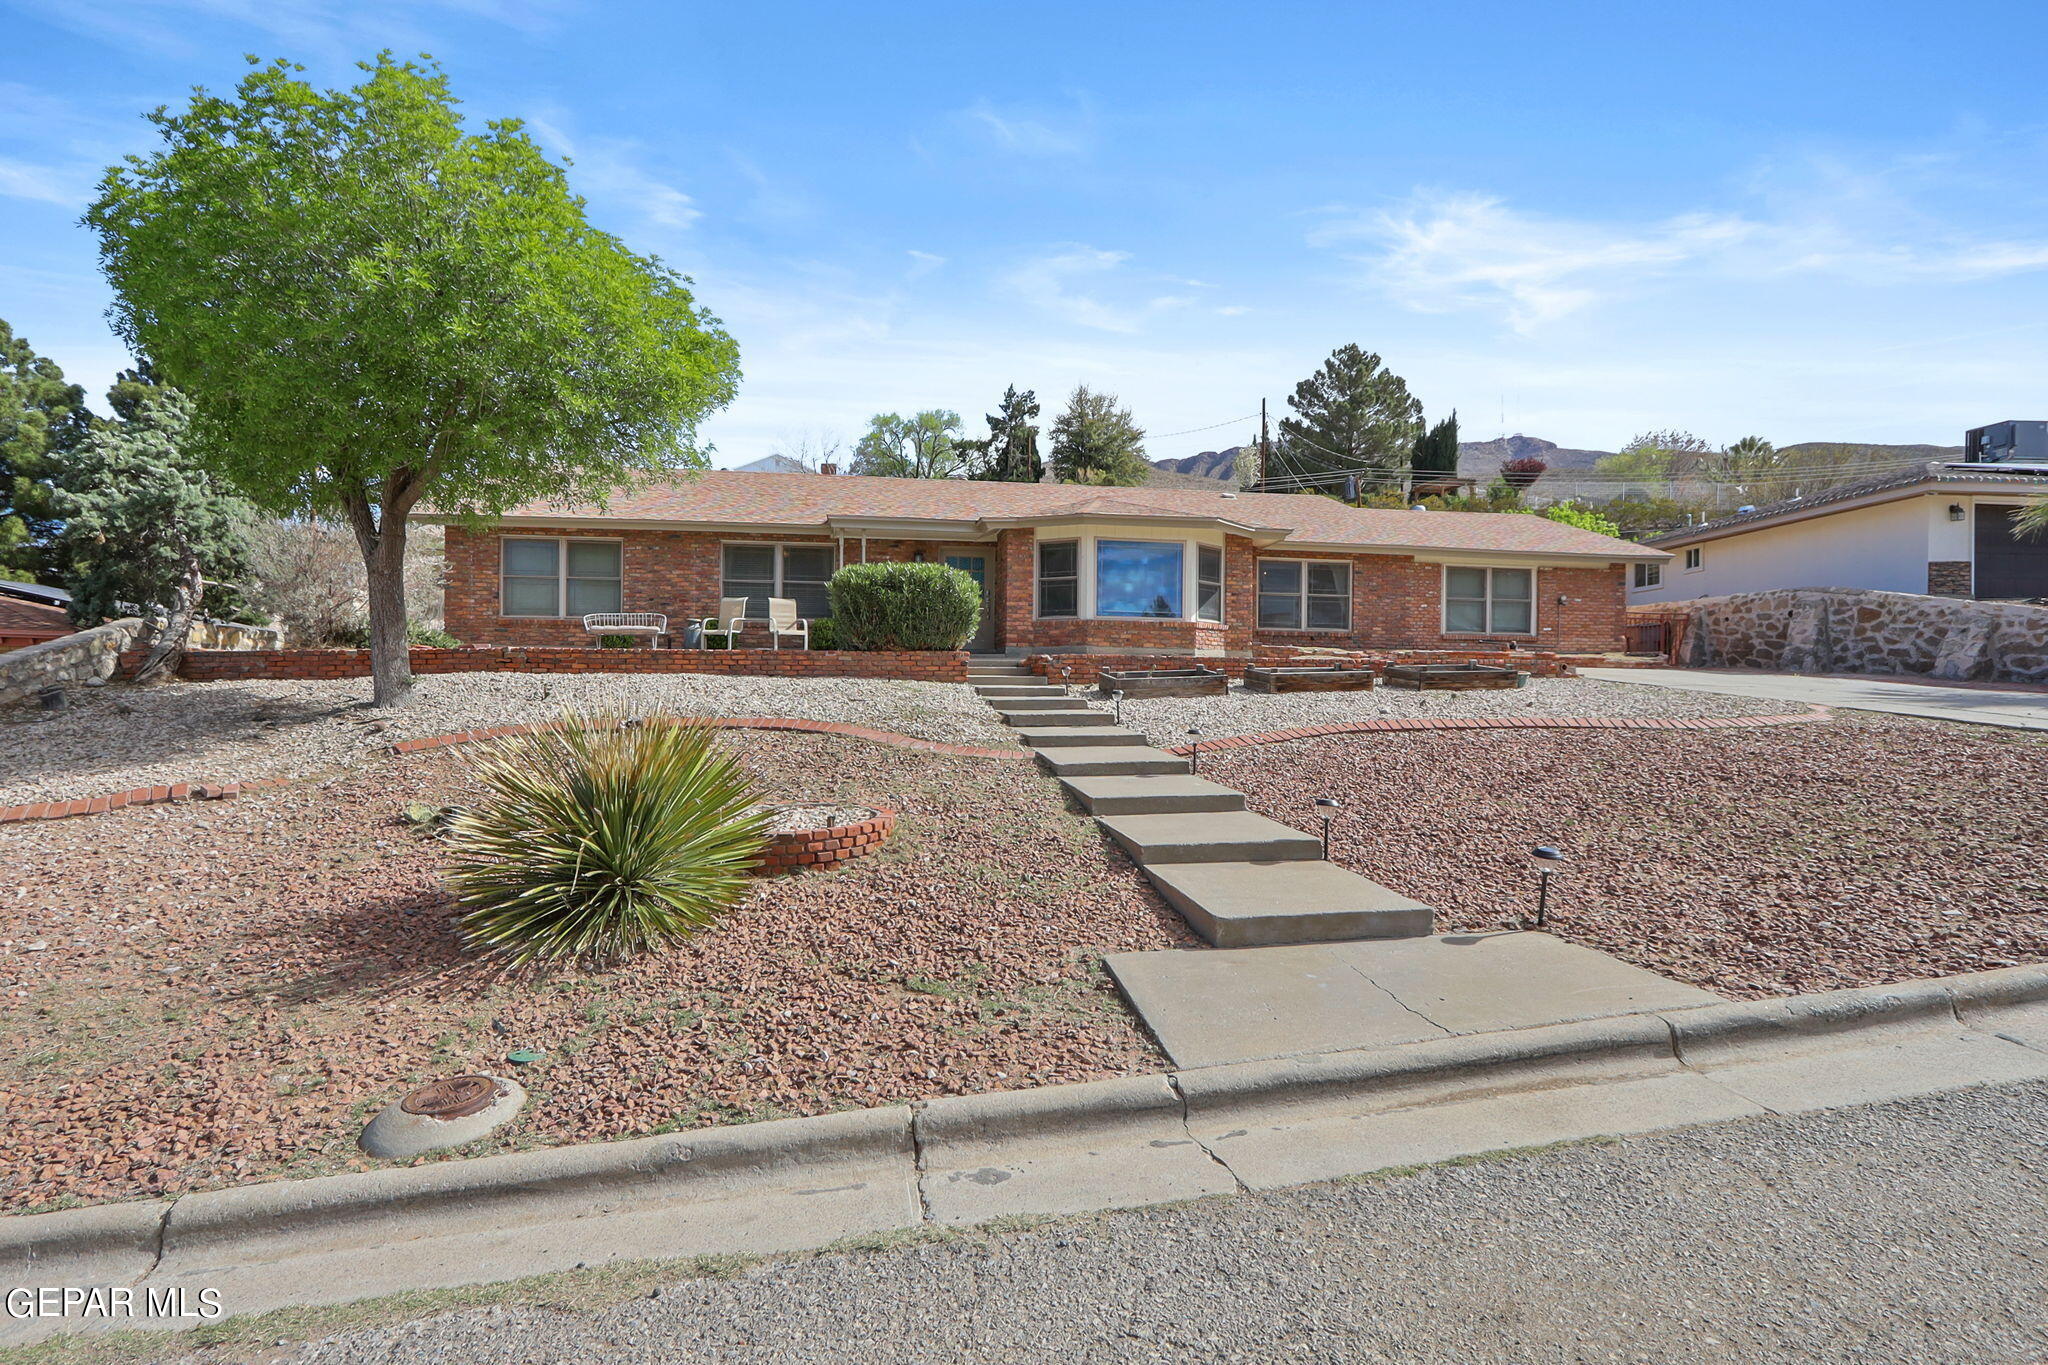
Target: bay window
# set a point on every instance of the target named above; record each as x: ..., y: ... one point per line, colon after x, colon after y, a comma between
x: 559, y: 576
x: 1489, y: 601
x: 1059, y: 578
x: 759, y: 572
x: 1304, y: 594
x: 1138, y: 578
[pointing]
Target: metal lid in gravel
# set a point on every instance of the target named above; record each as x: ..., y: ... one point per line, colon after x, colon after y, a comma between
x: 443, y: 1113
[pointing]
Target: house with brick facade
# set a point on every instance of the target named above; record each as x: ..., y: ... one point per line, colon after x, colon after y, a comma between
x: 1063, y: 567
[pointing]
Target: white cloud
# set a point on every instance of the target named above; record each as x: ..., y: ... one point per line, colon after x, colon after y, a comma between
x: 67, y: 187
x: 609, y: 171
x: 1036, y: 133
x: 330, y: 30
x: 1047, y: 283
x: 922, y: 263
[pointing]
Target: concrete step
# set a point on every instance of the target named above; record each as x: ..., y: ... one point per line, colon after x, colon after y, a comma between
x: 978, y: 675
x: 1210, y: 837
x: 1110, y: 760
x: 1038, y: 706
x: 1017, y: 690
x: 1075, y: 737
x: 1077, y: 714
x: 1151, y: 795
x: 1249, y: 904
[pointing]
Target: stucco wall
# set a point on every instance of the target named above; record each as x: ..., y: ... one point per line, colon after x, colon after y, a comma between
x: 1884, y: 547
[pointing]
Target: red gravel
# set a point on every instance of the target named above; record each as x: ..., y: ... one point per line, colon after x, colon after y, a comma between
x: 1750, y: 862
x: 226, y: 991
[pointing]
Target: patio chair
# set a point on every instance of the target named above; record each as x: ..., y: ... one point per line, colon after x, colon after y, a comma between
x: 732, y: 615
x: 652, y: 624
x: 783, y: 620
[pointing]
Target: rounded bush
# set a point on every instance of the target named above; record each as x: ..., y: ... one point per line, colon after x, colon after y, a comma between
x: 604, y: 836
x: 904, y: 606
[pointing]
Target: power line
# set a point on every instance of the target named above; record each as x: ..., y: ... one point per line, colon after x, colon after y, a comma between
x: 1165, y: 435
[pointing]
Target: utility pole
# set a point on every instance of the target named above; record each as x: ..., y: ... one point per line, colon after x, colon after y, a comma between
x: 1264, y: 445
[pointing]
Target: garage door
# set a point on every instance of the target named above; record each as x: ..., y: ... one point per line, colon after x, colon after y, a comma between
x: 2009, y: 564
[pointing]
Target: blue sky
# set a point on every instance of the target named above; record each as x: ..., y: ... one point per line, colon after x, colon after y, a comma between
x: 1577, y: 221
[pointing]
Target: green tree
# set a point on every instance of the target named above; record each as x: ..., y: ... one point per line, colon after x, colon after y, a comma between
x: 372, y: 308
x: 145, y: 524
x: 1585, y: 518
x: 1436, y: 451
x: 42, y: 420
x: 1673, y: 456
x: 1095, y: 441
x: 1352, y: 416
x: 1009, y: 454
x: 921, y: 446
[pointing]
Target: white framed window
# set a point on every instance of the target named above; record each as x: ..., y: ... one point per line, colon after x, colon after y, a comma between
x: 559, y: 576
x: 1059, y: 578
x: 1649, y: 575
x: 1208, y: 583
x: 758, y: 570
x: 1304, y: 594
x: 1695, y: 557
x: 1489, y: 601
x: 1139, y: 578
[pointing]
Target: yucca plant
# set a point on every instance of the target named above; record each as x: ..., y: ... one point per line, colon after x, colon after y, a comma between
x: 607, y: 835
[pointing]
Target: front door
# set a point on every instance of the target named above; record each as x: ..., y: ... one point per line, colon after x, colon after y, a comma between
x: 976, y: 567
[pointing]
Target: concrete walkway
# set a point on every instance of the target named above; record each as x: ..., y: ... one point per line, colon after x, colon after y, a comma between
x: 1209, y: 1008
x: 2018, y: 710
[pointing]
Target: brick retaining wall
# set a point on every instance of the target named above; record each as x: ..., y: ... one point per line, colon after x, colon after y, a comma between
x: 803, y: 849
x: 211, y: 665
x: 1539, y: 663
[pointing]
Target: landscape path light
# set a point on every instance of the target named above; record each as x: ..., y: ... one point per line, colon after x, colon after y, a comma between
x: 1547, y: 861
x: 1194, y: 748
x: 1117, y: 698
x: 1327, y: 807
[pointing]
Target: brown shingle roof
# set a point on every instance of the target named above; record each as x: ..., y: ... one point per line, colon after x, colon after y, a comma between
x: 812, y: 501
x: 22, y: 618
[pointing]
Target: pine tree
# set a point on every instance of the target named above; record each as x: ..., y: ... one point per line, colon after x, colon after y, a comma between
x: 1010, y: 452
x: 1437, y: 451
x: 42, y: 420
x: 145, y: 525
x: 1095, y: 441
x: 1352, y: 416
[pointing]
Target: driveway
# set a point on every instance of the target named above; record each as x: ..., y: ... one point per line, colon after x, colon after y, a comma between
x: 2013, y: 708
x: 1894, y: 1232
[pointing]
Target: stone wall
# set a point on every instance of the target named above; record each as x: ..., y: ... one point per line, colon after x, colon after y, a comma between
x: 88, y: 656
x: 1850, y: 630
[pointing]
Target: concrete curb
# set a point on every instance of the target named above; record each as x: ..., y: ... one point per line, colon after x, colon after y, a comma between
x: 1058, y: 1149
x: 1432, y: 723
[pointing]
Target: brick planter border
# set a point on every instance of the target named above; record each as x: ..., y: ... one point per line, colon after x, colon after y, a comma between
x: 216, y: 791
x: 810, y: 849
x: 1359, y: 727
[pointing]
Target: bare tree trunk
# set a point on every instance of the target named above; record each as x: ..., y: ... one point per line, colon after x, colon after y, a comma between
x: 168, y: 648
x: 380, y: 532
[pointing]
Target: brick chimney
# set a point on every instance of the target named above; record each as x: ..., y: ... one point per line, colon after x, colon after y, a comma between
x: 828, y: 469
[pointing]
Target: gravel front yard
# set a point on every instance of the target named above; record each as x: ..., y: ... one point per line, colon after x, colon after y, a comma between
x: 1866, y: 850
x: 192, y: 996
x: 118, y: 737
x: 1165, y: 720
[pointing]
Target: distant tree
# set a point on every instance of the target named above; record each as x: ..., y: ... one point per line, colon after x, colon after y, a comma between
x: 1519, y: 474
x: 921, y: 446
x: 1585, y: 518
x: 1095, y: 441
x: 1640, y: 515
x: 1659, y: 455
x: 811, y: 449
x: 1436, y: 451
x: 1744, y: 464
x: 1009, y: 453
x: 43, y: 418
x: 145, y: 523
x: 371, y: 308
x: 1351, y: 416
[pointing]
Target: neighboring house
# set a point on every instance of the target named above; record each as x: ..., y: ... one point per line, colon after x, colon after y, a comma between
x: 26, y: 622
x: 1062, y: 566
x: 1945, y: 529
x: 774, y: 464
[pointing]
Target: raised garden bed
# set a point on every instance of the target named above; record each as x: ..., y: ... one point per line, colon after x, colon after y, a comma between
x: 1165, y: 682
x: 821, y: 845
x: 1450, y: 677
x: 1333, y: 678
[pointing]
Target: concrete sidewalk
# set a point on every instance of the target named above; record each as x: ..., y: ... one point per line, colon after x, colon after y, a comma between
x: 2018, y: 710
x: 1209, y: 1007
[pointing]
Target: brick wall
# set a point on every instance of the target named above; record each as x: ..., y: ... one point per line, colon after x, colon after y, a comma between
x: 206, y: 665
x: 1397, y: 602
